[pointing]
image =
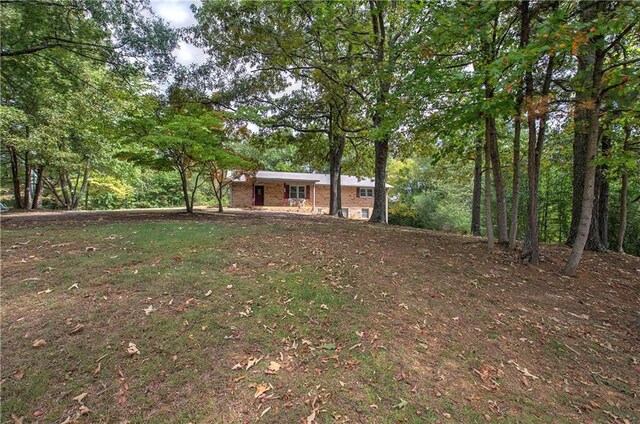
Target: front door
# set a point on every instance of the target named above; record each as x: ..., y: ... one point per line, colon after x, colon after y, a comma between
x: 259, y: 195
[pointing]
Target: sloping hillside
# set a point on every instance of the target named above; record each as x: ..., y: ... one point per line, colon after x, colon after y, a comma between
x: 164, y: 317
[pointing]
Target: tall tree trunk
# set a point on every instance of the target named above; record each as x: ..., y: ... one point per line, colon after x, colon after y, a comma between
x: 15, y: 175
x: 26, y: 200
x: 379, y: 213
x: 603, y: 195
x: 487, y: 196
x: 587, y: 124
x: 384, y: 74
x: 515, y: 194
x: 36, y: 195
x: 624, y: 189
x: 336, y: 149
x: 586, y: 62
x: 515, y: 189
x: 477, y: 189
x: 501, y: 207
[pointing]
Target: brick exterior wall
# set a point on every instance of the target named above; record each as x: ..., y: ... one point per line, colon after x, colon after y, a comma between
x: 242, y: 197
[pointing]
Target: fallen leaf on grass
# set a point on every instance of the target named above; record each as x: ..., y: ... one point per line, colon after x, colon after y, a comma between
x: 90, y: 249
x: 207, y: 294
x: 133, y: 349
x: 261, y: 389
x: 273, y: 367
x: 80, y: 397
x: 523, y: 370
x: 83, y: 410
x: 98, y: 368
x: 16, y: 419
x: 400, y: 404
x: 312, y: 417
x: 73, y: 286
x: 78, y: 328
x: 265, y: 411
x: 237, y: 366
x: 328, y: 346
x: 148, y: 310
x: 252, y: 361
x: 38, y: 343
x: 242, y: 377
x: 325, y: 307
x: 47, y: 291
x: 18, y: 374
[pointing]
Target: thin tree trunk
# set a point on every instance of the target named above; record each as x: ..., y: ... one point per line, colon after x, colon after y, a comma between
x: 624, y: 189
x: 515, y: 189
x: 77, y: 195
x: 64, y: 190
x: 603, y: 196
x: 515, y: 195
x: 26, y: 200
x: 185, y: 191
x: 477, y: 189
x: 487, y: 196
x: 501, y: 207
x: 15, y: 175
x: 36, y: 195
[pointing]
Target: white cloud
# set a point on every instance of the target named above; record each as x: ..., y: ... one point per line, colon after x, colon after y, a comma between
x: 176, y: 12
x: 188, y: 54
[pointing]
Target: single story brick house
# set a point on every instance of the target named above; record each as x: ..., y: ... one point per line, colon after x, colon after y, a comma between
x: 308, y: 192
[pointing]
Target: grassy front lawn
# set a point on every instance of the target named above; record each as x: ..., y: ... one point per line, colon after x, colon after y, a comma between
x: 238, y: 320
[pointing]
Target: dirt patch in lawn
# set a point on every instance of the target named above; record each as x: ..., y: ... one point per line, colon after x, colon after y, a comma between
x: 286, y: 318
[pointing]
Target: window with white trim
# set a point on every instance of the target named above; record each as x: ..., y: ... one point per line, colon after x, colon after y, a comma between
x: 366, y: 192
x: 297, y: 192
x: 364, y: 213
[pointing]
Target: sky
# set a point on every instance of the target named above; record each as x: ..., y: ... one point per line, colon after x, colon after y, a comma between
x: 178, y: 14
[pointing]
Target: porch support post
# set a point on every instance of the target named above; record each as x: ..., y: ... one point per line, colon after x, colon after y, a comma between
x: 253, y: 194
x: 314, y: 197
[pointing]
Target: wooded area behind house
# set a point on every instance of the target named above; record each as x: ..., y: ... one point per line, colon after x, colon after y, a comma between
x: 517, y: 120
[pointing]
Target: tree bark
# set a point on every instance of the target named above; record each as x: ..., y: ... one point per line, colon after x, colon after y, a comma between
x: 336, y: 149
x: 77, y: 195
x: 501, y: 207
x: 36, y: 195
x: 587, y: 124
x: 384, y: 75
x: 624, y: 189
x: 603, y: 195
x: 586, y: 62
x: 487, y: 195
x: 379, y: 213
x: 515, y: 193
x: 185, y: 191
x: 26, y: 199
x: 477, y: 189
x: 15, y: 175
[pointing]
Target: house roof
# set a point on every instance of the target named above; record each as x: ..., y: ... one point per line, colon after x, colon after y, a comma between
x: 309, y: 177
